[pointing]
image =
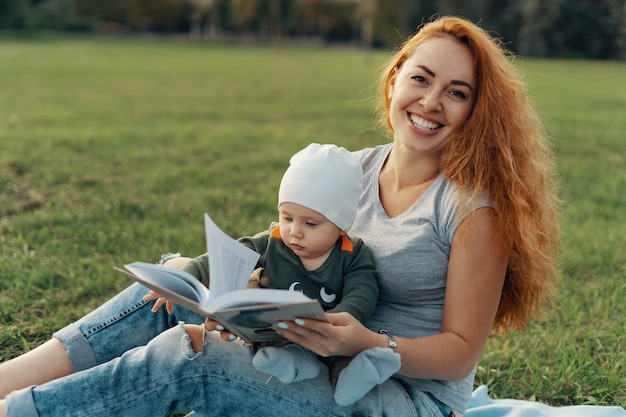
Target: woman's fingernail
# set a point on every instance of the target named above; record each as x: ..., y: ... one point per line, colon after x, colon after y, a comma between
x: 232, y: 337
x: 299, y: 322
x: 282, y: 325
x: 219, y: 327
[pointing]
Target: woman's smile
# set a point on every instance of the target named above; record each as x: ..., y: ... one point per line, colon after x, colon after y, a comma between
x: 423, y: 124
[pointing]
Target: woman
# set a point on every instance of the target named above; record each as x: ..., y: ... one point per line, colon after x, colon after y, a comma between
x: 459, y: 213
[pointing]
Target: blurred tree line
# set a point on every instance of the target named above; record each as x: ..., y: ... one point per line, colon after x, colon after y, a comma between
x: 593, y: 29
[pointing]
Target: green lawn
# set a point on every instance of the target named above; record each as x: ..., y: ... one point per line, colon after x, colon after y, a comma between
x: 111, y: 150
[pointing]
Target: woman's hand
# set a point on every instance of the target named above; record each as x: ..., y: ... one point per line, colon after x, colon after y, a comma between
x: 342, y: 335
x: 225, y: 334
x: 178, y: 263
x: 159, y: 302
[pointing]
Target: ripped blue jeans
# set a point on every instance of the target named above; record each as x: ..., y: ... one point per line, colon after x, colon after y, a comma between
x: 129, y: 361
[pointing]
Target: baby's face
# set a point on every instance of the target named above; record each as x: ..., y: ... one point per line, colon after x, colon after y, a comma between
x: 309, y: 234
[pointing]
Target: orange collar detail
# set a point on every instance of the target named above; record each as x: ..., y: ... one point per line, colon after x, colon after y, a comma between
x: 275, y: 232
x: 346, y: 244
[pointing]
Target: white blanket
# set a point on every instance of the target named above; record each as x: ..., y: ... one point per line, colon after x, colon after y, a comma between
x: 482, y: 406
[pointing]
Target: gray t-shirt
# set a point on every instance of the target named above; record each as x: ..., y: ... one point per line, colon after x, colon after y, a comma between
x: 411, y: 253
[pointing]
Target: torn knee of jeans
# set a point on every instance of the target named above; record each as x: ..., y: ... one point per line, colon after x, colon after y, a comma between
x: 192, y: 341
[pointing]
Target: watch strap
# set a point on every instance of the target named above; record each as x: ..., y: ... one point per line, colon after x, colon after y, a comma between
x: 391, y: 341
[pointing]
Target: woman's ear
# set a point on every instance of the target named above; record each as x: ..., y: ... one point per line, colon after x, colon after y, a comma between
x: 392, y: 83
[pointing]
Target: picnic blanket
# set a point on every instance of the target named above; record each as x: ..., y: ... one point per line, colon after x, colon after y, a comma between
x: 482, y: 406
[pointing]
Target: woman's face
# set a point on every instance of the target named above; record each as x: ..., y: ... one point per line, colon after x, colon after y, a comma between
x: 432, y: 95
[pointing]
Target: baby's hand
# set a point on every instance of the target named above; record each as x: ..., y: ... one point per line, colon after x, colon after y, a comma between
x: 255, y: 277
x: 159, y: 302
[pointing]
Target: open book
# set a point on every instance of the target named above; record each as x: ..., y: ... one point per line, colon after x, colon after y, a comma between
x: 249, y: 313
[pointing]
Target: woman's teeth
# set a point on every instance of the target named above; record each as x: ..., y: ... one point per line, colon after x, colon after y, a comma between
x: 423, y: 124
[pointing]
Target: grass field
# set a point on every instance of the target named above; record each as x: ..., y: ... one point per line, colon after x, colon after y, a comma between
x: 110, y: 151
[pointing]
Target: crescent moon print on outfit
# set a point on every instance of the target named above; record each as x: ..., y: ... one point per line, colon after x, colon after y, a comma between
x: 325, y: 296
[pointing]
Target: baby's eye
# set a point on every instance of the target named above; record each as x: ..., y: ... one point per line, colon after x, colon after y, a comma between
x: 311, y: 224
x: 288, y: 219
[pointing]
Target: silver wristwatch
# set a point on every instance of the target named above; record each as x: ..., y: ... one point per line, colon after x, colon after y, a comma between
x: 167, y: 256
x: 392, y: 344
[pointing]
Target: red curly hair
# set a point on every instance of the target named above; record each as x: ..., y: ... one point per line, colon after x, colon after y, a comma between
x: 503, y: 151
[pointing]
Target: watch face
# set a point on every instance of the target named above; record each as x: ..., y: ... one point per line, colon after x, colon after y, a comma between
x: 391, y: 341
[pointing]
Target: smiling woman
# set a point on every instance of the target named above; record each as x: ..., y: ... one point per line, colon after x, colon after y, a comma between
x: 431, y: 95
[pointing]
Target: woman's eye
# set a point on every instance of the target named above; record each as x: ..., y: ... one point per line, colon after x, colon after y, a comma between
x: 419, y: 78
x: 458, y: 94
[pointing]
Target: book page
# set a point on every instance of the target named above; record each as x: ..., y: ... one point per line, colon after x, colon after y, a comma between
x: 230, y: 262
x: 176, y: 285
x: 254, y: 296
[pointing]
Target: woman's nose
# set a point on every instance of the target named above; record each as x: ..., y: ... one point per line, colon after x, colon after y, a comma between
x: 431, y: 101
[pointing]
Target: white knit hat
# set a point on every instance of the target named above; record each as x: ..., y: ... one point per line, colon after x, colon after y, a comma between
x: 324, y: 178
